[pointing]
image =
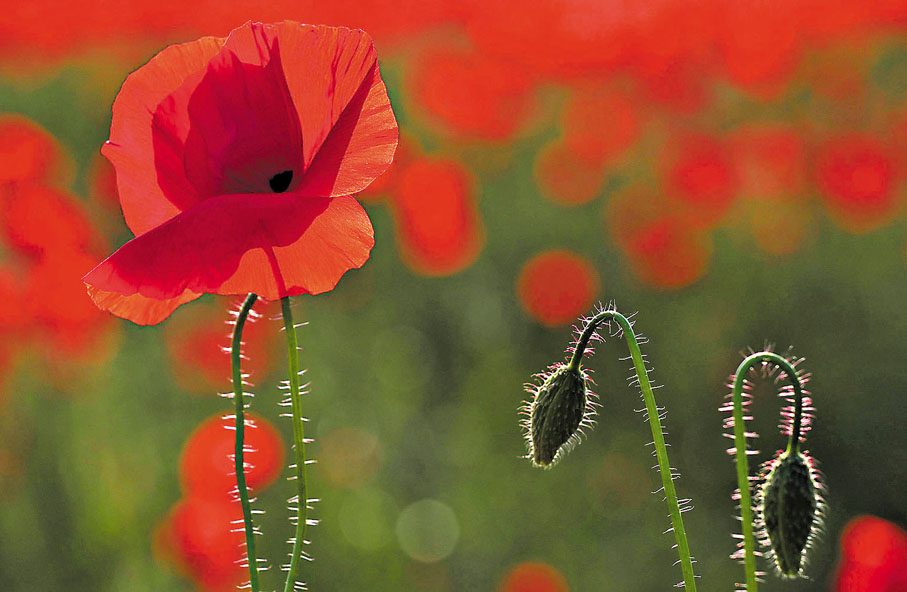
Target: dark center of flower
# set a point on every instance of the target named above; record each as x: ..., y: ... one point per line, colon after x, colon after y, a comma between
x: 281, y: 181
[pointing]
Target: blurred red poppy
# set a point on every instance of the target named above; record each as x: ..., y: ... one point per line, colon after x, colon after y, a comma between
x: 760, y: 45
x: 52, y: 242
x: 235, y: 160
x: 197, y: 345
x: 438, y: 227
x: 873, y: 557
x: 206, y: 465
x: 200, y: 538
x: 671, y: 45
x: 56, y: 304
x: 555, y: 287
x: 668, y: 253
x: 593, y: 108
x: 857, y: 177
x: 29, y: 153
x: 701, y: 176
x: 473, y: 94
x: 770, y: 161
x: 555, y: 38
x: 533, y: 576
x: 11, y: 317
x: 37, y: 220
x: 566, y: 178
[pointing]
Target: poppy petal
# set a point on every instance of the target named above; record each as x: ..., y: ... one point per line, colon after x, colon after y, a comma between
x: 139, y: 309
x: 273, y: 244
x: 351, y: 141
x: 242, y: 126
x: 131, y: 146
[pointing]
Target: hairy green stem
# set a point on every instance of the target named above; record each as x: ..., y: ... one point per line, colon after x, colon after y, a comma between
x: 740, y: 446
x: 661, y: 450
x: 240, y: 416
x: 298, y: 443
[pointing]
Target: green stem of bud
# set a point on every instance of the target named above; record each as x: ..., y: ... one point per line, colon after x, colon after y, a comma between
x: 298, y: 444
x: 239, y: 412
x: 740, y: 445
x: 661, y: 449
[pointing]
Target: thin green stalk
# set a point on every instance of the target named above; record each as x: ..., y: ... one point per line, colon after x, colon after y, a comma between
x: 740, y: 445
x: 298, y: 443
x: 239, y: 406
x: 661, y: 450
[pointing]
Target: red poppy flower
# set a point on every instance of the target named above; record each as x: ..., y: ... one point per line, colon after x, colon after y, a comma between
x: 473, y: 94
x: 770, y: 161
x: 532, y: 576
x: 566, y: 178
x: 857, y: 177
x: 443, y: 235
x: 198, y: 342
x: 207, y: 467
x: 555, y: 287
x: 595, y: 107
x: 760, y: 46
x: 700, y: 175
x: 201, y: 539
x: 668, y: 253
x: 39, y: 221
x: 28, y: 152
x: 873, y: 557
x: 235, y: 160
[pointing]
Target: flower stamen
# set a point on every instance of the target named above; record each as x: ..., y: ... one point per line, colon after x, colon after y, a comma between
x: 281, y: 181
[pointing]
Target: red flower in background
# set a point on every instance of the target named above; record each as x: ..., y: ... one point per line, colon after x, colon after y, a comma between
x: 473, y: 94
x: 532, y: 576
x: 669, y: 254
x: 51, y: 242
x: 28, y: 152
x: 200, y: 536
x: 873, y: 557
x: 661, y: 237
x: 700, y: 175
x: 235, y: 160
x: 439, y: 230
x: 572, y: 169
x: 857, y: 177
x: 556, y: 287
x: 770, y: 161
x: 198, y: 342
x: 206, y: 465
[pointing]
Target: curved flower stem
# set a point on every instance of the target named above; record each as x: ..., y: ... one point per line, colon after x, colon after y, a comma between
x: 743, y: 482
x: 298, y: 443
x: 661, y: 450
x: 239, y: 463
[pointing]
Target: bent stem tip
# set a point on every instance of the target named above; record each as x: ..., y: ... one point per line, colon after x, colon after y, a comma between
x: 740, y: 449
x: 562, y: 392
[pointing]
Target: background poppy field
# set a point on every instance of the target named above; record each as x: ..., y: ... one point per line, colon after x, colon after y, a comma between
x: 734, y: 171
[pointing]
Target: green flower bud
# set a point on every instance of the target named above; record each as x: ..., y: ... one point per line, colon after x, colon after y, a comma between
x: 790, y: 505
x: 559, y: 408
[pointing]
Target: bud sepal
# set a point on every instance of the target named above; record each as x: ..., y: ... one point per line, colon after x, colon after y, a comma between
x: 789, y: 506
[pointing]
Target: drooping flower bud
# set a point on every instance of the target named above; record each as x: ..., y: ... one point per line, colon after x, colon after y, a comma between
x: 559, y: 408
x: 790, y: 505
